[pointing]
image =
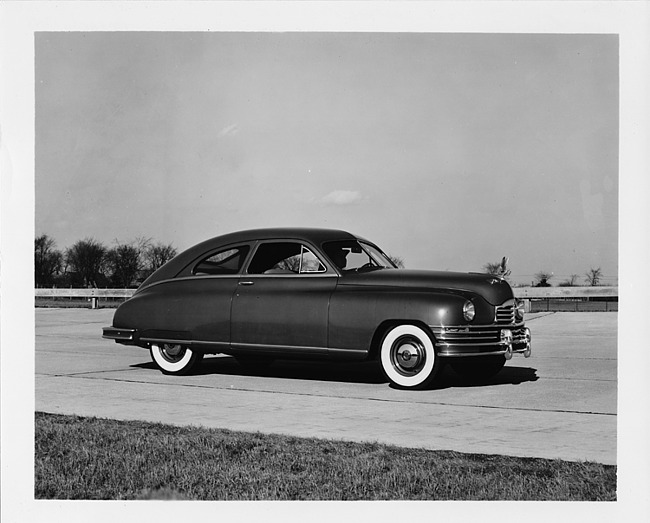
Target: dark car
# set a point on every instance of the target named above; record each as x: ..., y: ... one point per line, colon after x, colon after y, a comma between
x: 288, y: 293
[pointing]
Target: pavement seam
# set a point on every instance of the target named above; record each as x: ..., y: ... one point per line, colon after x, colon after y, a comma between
x: 64, y: 337
x: 82, y: 374
x: 410, y: 401
x: 573, y: 359
x: 538, y: 317
x: 579, y: 379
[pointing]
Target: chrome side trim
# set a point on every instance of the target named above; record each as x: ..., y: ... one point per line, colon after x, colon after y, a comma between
x: 287, y: 349
x: 284, y: 348
x: 238, y: 276
x: 279, y: 348
x: 359, y: 352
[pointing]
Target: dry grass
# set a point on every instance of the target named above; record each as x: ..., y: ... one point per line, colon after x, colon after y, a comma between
x: 90, y: 458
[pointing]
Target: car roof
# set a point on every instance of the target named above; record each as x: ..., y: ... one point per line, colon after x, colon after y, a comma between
x: 313, y: 235
x: 316, y: 236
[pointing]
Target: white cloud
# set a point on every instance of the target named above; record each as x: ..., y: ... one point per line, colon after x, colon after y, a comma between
x: 229, y: 130
x: 342, y: 198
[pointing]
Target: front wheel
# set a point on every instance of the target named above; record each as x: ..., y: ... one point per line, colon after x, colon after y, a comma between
x: 408, y: 357
x: 173, y: 358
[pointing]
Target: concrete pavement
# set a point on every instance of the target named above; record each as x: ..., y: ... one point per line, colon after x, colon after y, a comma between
x: 560, y: 403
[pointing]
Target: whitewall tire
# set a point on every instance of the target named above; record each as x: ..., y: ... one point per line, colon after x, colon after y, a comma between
x: 408, y: 357
x: 173, y: 358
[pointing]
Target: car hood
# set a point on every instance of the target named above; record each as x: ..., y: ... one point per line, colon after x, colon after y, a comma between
x: 492, y: 288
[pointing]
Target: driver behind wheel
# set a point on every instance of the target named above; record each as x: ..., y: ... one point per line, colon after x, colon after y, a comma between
x: 339, y: 256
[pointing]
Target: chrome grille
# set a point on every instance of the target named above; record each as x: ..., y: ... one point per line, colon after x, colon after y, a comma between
x: 466, y: 335
x: 464, y: 341
x: 505, y: 314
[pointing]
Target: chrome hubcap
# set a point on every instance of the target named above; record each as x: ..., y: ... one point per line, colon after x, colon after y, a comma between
x: 407, y: 355
x: 172, y: 353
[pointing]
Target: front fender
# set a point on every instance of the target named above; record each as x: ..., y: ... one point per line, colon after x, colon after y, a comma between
x: 357, y: 311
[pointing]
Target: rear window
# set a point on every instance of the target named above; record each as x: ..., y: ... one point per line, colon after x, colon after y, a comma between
x: 228, y: 261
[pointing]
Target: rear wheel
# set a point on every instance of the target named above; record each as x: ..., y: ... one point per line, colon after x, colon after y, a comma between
x: 408, y: 357
x: 478, y: 368
x: 172, y: 358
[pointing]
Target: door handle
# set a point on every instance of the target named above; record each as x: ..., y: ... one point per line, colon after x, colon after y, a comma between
x: 246, y: 283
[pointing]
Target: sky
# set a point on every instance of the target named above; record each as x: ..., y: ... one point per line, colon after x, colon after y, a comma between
x: 447, y: 150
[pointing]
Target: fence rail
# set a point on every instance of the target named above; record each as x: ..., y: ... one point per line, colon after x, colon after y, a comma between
x: 93, y: 295
x: 564, y: 292
x: 568, y: 299
x: 528, y: 294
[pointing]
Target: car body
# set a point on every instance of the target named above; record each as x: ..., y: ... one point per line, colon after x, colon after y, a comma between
x: 295, y: 292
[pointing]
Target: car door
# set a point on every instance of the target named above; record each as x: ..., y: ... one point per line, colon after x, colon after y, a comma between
x: 201, y: 297
x: 281, y: 302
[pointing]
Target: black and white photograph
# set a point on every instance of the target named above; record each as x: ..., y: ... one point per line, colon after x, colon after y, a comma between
x: 259, y: 255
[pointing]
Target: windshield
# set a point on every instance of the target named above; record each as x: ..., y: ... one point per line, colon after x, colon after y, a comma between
x: 352, y: 255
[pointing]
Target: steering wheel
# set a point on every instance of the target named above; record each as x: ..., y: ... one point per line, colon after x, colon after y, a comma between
x: 364, y: 266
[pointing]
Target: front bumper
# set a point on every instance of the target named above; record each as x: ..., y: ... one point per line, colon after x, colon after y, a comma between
x: 482, y: 340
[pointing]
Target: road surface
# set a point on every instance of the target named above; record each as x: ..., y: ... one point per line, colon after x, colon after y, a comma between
x: 560, y: 403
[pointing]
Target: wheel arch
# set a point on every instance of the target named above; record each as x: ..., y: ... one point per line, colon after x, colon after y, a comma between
x: 385, y: 326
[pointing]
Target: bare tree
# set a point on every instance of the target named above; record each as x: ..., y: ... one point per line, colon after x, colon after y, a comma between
x: 397, y: 260
x: 291, y: 264
x: 86, y: 258
x: 498, y: 269
x: 157, y: 255
x: 47, y: 260
x: 491, y: 268
x: 571, y: 282
x: 542, y: 278
x: 594, y: 276
x: 124, y: 263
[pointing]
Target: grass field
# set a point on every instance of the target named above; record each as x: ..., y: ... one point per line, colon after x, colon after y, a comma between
x: 90, y: 458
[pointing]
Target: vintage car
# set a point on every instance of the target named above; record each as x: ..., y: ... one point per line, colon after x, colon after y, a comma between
x: 265, y: 294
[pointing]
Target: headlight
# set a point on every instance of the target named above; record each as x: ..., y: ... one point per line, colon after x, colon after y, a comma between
x: 519, y: 311
x: 468, y: 311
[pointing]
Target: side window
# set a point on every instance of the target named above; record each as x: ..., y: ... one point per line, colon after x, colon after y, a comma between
x: 347, y: 254
x: 284, y: 258
x: 310, y: 263
x: 228, y: 261
x: 351, y: 255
